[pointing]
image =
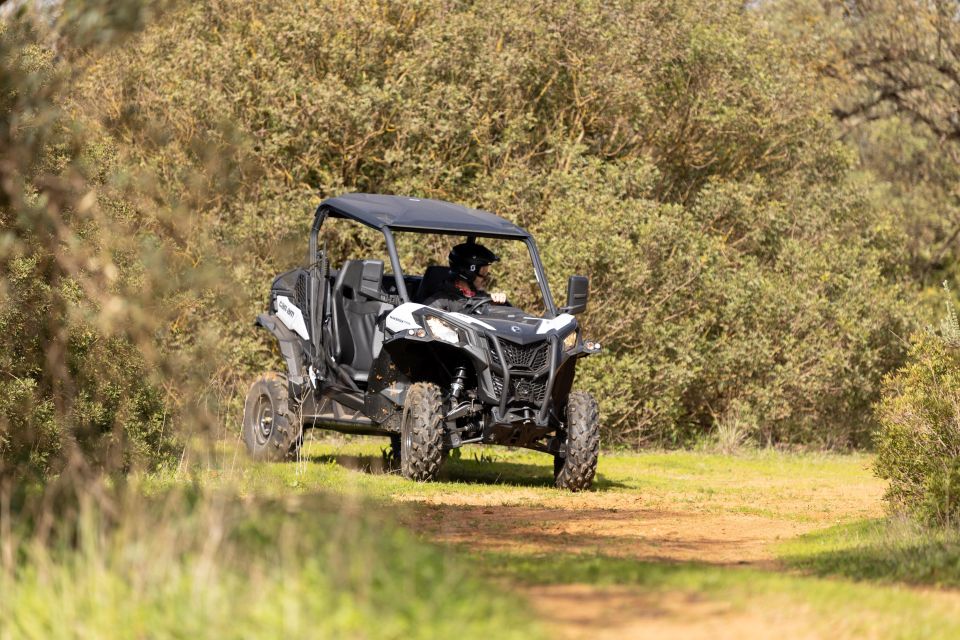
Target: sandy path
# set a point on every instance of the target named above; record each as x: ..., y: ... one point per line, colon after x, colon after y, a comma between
x: 667, y: 528
x: 614, y: 613
x: 630, y: 525
x: 643, y: 534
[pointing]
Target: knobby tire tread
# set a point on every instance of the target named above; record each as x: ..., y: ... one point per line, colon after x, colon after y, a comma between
x: 284, y: 440
x: 423, y: 422
x: 577, y: 470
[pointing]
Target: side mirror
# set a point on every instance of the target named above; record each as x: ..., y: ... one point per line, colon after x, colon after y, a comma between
x: 578, y: 291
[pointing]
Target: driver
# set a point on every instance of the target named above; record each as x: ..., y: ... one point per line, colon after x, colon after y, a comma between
x: 469, y: 274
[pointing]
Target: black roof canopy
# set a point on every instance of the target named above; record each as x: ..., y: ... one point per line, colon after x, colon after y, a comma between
x: 419, y: 214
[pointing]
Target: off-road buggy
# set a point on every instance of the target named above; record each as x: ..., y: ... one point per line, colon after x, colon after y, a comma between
x: 364, y: 355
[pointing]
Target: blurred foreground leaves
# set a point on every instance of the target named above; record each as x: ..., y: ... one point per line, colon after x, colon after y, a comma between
x: 85, y: 384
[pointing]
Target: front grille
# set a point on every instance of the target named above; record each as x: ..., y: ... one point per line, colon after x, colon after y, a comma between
x: 497, y: 384
x: 528, y: 390
x: 532, y: 357
x: 523, y: 362
x: 521, y: 389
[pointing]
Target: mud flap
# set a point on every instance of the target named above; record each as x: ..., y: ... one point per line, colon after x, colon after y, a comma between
x: 291, y: 348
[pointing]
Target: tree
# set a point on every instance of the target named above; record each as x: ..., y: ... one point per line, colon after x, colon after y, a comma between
x: 889, y: 71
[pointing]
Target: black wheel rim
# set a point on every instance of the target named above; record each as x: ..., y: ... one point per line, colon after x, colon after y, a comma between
x: 263, y: 416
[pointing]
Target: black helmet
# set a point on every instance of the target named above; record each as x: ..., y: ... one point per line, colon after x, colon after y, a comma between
x: 467, y: 258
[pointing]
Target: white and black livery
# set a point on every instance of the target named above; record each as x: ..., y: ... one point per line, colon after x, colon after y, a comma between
x: 365, y: 355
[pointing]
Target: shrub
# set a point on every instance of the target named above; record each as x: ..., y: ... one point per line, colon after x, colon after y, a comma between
x: 76, y: 379
x: 671, y: 151
x: 918, y: 442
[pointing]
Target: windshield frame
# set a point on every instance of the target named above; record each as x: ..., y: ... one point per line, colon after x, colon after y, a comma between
x: 549, y: 306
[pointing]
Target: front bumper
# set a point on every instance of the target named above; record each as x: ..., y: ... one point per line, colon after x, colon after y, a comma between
x: 523, y: 376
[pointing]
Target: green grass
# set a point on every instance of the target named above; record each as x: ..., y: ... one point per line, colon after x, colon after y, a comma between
x: 333, y: 463
x: 233, y: 549
x: 826, y: 594
x: 214, y: 564
x: 879, y: 550
x: 835, y: 608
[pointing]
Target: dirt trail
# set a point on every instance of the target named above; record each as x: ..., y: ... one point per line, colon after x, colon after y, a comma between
x: 643, y: 534
x: 728, y: 530
x: 615, y: 613
x: 628, y: 524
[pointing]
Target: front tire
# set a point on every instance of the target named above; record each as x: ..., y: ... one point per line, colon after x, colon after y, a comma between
x: 270, y: 429
x: 421, y: 434
x: 576, y: 470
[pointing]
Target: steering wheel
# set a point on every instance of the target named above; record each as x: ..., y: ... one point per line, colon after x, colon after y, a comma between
x: 473, y: 304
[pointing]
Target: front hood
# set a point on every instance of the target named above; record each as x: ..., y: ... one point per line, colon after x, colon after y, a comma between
x: 506, y: 322
x: 523, y: 329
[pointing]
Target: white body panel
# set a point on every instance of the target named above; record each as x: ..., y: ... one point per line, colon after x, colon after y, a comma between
x: 291, y: 316
x: 465, y: 318
x: 558, y: 323
x: 401, y: 318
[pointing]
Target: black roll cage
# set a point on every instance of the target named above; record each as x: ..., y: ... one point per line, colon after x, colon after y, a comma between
x: 324, y: 210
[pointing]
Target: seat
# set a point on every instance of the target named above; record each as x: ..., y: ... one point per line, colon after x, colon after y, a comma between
x: 356, y: 311
x: 433, y: 279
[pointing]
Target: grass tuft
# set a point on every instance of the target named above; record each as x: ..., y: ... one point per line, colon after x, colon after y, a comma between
x: 217, y: 564
x: 891, y: 550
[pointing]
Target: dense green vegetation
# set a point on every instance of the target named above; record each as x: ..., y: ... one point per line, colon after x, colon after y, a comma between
x: 78, y: 373
x: 751, y: 272
x: 891, y: 71
x: 918, y: 442
x: 676, y: 153
x: 763, y: 195
x: 763, y: 199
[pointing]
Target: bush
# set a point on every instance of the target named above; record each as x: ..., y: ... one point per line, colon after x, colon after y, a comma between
x: 918, y: 442
x: 77, y: 382
x: 671, y: 151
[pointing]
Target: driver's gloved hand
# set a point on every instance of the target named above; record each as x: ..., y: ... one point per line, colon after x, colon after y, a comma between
x: 498, y: 297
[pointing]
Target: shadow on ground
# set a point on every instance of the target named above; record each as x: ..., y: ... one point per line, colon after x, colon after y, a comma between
x: 885, y: 551
x: 582, y: 524
x: 479, y: 470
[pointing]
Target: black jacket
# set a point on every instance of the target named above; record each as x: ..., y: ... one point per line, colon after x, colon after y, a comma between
x: 450, y: 298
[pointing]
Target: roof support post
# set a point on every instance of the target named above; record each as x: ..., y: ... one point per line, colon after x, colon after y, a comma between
x: 318, y: 219
x: 395, y: 264
x: 541, y: 276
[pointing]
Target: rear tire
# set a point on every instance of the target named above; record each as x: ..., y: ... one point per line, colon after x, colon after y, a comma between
x: 270, y: 428
x: 575, y: 472
x: 421, y: 434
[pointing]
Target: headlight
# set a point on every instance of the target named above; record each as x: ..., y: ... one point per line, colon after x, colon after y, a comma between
x: 570, y: 341
x: 443, y: 330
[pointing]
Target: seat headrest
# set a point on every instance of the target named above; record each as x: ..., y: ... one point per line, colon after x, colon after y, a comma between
x: 361, y: 276
x: 433, y: 279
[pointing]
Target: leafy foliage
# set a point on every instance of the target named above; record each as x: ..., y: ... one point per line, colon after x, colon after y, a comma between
x: 889, y: 70
x: 918, y: 443
x: 75, y: 384
x: 677, y: 153
x: 670, y: 151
